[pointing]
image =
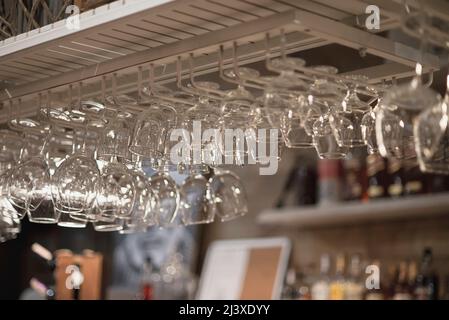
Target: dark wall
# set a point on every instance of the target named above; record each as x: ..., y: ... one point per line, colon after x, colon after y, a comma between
x: 18, y: 264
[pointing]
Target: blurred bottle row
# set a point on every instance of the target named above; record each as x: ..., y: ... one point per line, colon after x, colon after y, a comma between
x: 355, y: 279
x: 355, y: 179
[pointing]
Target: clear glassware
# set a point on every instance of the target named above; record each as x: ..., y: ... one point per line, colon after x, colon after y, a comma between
x: 287, y: 84
x: 152, y: 129
x: 203, y: 115
x: 270, y: 142
x: 238, y: 113
x: 4, y: 196
x: 324, y: 140
x: 293, y: 123
x: 195, y: 201
x: 9, y: 225
x: 29, y: 183
x: 182, y: 146
x: 346, y: 119
x: 323, y: 88
x: 396, y: 115
x: 228, y: 195
x: 116, y: 192
x: 312, y: 112
x: 76, y: 180
x: 145, y: 206
x: 40, y: 205
x: 116, y: 136
x: 167, y: 193
x: 368, y: 124
x: 108, y: 226
x: 11, y: 145
x: 432, y: 137
x: 67, y: 221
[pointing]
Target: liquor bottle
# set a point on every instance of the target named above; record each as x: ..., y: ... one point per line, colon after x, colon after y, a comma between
x: 290, y: 292
x: 352, y: 178
x: 436, y: 183
x: 401, y: 286
x: 414, y: 179
x: 147, y: 281
x: 354, y: 285
x: 412, y: 273
x: 395, y: 178
x: 426, y: 280
x: 42, y: 290
x: 304, y: 293
x: 446, y: 291
x: 45, y: 254
x: 320, y: 289
x: 338, y: 283
x: 375, y: 292
x: 306, y: 185
x: 375, y: 170
x: 329, y: 181
x: 304, y: 287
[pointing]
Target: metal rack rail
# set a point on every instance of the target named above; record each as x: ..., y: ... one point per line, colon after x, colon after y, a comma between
x: 119, y: 37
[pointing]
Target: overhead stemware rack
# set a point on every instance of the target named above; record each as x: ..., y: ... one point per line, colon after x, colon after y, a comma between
x: 123, y: 35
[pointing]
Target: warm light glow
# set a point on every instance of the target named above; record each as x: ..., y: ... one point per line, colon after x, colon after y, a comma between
x: 418, y: 69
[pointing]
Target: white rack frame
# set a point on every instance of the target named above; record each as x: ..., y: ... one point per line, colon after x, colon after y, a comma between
x: 308, y: 24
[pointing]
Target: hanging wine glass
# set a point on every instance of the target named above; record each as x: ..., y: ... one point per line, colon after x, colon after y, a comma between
x: 280, y: 91
x: 397, y: 113
x: 324, y: 140
x: 228, y: 195
x: 432, y: 137
x: 9, y: 223
x: 196, y: 206
x: 167, y: 193
x: 116, y: 192
x: 29, y: 185
x: 11, y: 145
x: 368, y: 124
x: 77, y: 179
x: 145, y: 205
x: 346, y: 121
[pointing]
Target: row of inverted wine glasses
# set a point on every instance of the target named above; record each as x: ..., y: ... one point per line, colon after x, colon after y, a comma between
x: 80, y: 191
x: 311, y: 106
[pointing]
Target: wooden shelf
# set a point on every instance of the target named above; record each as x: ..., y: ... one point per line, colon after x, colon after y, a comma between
x: 421, y: 206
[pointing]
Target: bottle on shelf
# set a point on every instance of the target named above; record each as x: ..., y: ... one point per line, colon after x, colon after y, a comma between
x: 446, y: 289
x: 290, y: 291
x: 304, y: 287
x: 338, y: 283
x: 353, y: 179
x: 414, y: 179
x: 412, y: 273
x: 354, y: 285
x: 436, y: 183
x: 320, y: 289
x: 45, y: 292
x: 306, y: 180
x: 427, y: 280
x: 376, y: 176
x: 396, y: 178
x: 401, y: 285
x: 147, y: 281
x: 329, y: 181
x: 45, y: 254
